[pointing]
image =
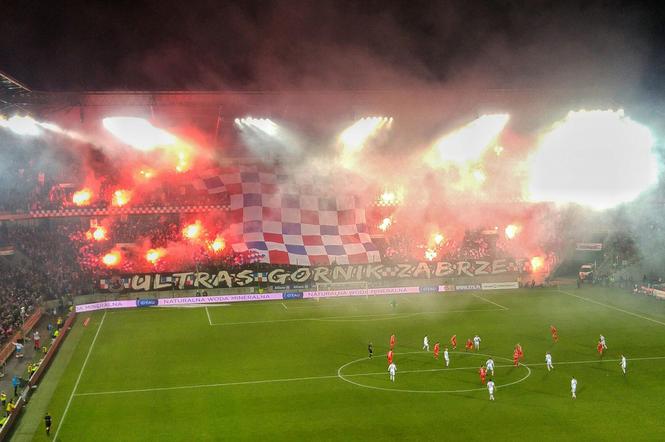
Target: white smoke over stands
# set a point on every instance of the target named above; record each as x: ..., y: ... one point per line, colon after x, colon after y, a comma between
x: 138, y: 133
x: 468, y: 143
x: 594, y: 158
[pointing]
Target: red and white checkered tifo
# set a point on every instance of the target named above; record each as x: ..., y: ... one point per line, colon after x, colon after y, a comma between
x: 292, y: 220
x: 91, y: 211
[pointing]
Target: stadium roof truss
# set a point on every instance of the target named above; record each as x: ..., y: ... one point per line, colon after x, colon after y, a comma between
x: 11, y: 90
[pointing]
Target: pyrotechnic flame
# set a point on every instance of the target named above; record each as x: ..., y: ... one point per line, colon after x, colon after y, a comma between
x: 82, y: 197
x: 154, y: 255
x: 183, y: 161
x: 121, y: 197
x: 98, y: 234
x: 596, y: 158
x: 385, y: 224
x: 192, y: 231
x: 218, y: 244
x: 430, y: 254
x: 438, y: 239
x: 387, y: 198
x: 390, y: 197
x: 498, y: 150
x: 511, y: 231
x: 479, y: 176
x: 147, y: 173
x: 536, y: 263
x: 111, y: 259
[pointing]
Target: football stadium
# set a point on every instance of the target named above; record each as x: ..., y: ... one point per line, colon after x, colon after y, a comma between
x: 370, y: 252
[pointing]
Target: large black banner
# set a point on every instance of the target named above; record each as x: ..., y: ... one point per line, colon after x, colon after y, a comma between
x: 307, y: 277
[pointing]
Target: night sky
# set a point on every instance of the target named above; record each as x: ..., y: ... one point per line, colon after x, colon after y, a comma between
x: 314, y: 45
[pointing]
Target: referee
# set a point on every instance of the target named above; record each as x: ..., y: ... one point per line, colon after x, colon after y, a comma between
x: 47, y: 423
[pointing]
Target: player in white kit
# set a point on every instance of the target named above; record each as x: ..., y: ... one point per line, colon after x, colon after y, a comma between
x: 426, y: 343
x: 602, y: 342
x: 490, y: 389
x: 476, y: 342
x: 446, y: 356
x: 490, y: 365
x: 623, y: 364
x: 392, y: 369
x: 573, y: 387
x: 548, y: 361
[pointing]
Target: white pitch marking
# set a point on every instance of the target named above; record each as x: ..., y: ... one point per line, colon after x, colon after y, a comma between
x: 384, y: 316
x: 612, y: 307
x: 311, y: 378
x: 78, y: 379
x: 208, y: 313
x: 381, y: 317
x: 491, y: 302
x: 284, y: 305
x: 224, y: 384
x: 399, y: 390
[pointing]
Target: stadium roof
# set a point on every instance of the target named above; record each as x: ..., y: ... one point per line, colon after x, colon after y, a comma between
x: 10, y: 88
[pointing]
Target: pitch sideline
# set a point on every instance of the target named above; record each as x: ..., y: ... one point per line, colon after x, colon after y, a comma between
x: 78, y: 379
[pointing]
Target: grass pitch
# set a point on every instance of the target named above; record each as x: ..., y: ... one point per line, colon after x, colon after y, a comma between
x: 298, y: 370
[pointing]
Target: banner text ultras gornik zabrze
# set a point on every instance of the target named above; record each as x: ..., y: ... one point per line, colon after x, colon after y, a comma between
x: 247, y: 277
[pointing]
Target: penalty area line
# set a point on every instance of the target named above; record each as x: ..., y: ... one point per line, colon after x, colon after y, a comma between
x: 503, y: 307
x: 208, y: 313
x: 612, y: 307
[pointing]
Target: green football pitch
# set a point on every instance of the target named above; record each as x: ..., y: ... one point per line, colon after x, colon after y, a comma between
x: 298, y: 370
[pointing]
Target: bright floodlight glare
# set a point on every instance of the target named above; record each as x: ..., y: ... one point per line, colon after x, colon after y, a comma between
x: 24, y: 126
x: 138, y: 133
x: 354, y: 137
x: 469, y: 142
x: 594, y: 158
x: 263, y: 124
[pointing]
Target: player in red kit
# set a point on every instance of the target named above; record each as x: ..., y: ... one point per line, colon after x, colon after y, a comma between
x: 520, y: 353
x: 437, y: 347
x: 469, y: 345
x: 555, y: 333
x: 599, y: 347
x: 392, y: 341
x: 516, y: 358
x: 483, y: 374
x: 390, y: 357
x: 453, y: 342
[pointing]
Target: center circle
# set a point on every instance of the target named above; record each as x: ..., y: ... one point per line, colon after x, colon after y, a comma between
x: 347, y: 377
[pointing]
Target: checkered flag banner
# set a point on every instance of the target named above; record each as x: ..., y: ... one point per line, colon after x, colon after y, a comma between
x: 302, y: 223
